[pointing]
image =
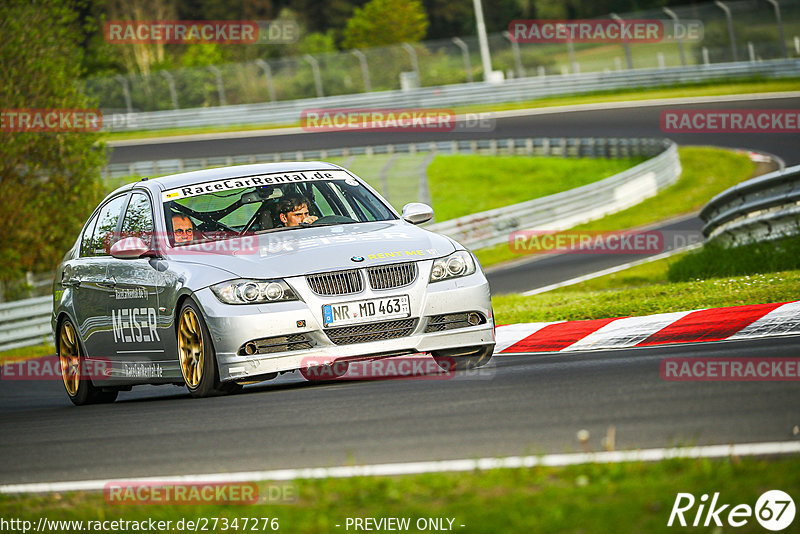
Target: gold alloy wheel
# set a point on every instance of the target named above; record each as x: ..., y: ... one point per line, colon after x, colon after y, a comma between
x: 69, y: 357
x: 190, y: 348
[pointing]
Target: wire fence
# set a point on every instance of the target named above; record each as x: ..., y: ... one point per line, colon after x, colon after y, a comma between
x: 753, y: 25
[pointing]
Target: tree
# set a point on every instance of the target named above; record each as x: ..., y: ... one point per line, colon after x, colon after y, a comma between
x: 386, y: 22
x: 49, y: 182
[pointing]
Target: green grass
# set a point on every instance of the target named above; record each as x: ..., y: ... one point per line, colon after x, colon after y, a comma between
x: 715, y: 260
x: 722, y: 87
x: 706, y: 172
x: 24, y: 353
x: 574, y: 303
x: 462, y: 185
x: 626, y: 497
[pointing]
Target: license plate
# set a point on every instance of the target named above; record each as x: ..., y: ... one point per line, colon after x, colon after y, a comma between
x: 364, y: 311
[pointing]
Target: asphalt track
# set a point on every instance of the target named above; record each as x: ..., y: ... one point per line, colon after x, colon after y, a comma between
x: 607, y: 122
x: 518, y: 405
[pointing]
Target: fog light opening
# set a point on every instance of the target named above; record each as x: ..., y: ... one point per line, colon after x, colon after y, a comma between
x: 250, y: 348
x: 474, y: 319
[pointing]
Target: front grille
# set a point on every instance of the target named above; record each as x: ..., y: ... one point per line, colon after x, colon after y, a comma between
x: 450, y: 321
x: 392, y: 276
x: 336, y: 283
x: 268, y: 345
x: 363, y: 333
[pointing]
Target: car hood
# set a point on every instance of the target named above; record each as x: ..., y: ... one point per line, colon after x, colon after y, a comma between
x: 310, y: 250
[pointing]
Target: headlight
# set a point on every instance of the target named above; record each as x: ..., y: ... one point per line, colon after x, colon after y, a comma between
x: 459, y: 263
x: 253, y: 291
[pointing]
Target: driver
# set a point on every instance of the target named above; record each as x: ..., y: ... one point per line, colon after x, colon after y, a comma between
x: 182, y: 229
x: 293, y: 210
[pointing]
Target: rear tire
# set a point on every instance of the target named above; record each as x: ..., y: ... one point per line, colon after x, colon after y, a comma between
x: 78, y: 385
x: 465, y: 359
x: 198, y: 361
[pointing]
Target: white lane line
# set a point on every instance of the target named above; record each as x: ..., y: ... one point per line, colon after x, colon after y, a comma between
x: 442, y: 466
x: 610, y: 270
x: 461, y: 118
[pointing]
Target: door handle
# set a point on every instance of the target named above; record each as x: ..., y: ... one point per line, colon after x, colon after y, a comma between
x: 71, y: 282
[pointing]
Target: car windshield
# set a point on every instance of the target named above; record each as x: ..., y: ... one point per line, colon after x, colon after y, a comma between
x: 268, y: 203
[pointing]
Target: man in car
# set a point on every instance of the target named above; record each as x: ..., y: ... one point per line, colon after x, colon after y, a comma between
x: 182, y: 229
x: 293, y: 210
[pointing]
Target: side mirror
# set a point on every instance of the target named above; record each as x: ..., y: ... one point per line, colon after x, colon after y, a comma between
x: 129, y: 248
x: 417, y: 213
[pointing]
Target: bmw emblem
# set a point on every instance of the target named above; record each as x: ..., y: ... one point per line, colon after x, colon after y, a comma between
x: 357, y: 258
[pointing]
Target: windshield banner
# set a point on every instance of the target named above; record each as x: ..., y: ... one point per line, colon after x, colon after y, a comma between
x: 255, y: 181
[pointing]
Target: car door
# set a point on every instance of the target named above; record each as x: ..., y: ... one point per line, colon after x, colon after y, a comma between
x: 133, y: 309
x: 89, y: 281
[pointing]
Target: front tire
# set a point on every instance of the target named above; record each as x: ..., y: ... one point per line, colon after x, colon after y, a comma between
x: 465, y: 359
x: 198, y: 361
x: 78, y: 385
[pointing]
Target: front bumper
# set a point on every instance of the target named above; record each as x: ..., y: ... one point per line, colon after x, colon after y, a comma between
x: 232, y: 326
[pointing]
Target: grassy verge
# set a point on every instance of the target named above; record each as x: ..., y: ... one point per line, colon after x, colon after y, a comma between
x: 712, y: 276
x: 487, y: 182
x: 714, y: 260
x: 575, y: 304
x: 24, y: 353
x: 706, y: 172
x: 627, y: 497
x: 721, y: 87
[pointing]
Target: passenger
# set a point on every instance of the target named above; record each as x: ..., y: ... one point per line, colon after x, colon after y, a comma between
x: 182, y: 229
x: 293, y: 211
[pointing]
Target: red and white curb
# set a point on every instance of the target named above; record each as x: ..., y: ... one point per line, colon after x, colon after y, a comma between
x: 714, y: 324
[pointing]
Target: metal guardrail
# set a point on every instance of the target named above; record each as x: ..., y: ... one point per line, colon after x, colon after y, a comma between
x: 540, y: 146
x: 568, y: 208
x: 518, y: 89
x: 760, y: 209
x: 25, y: 322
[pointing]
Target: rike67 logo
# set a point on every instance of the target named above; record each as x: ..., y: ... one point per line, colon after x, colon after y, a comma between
x: 774, y: 510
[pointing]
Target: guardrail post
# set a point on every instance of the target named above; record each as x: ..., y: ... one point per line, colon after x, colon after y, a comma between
x: 779, y: 22
x: 362, y: 61
x: 220, y: 86
x: 414, y: 65
x: 465, y: 56
x: 515, y: 52
x: 625, y: 43
x: 315, y: 68
x: 268, y: 75
x: 173, y: 94
x: 671, y: 14
x: 572, y: 61
x: 729, y: 19
x: 751, y: 51
x: 706, y: 61
x: 126, y: 91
